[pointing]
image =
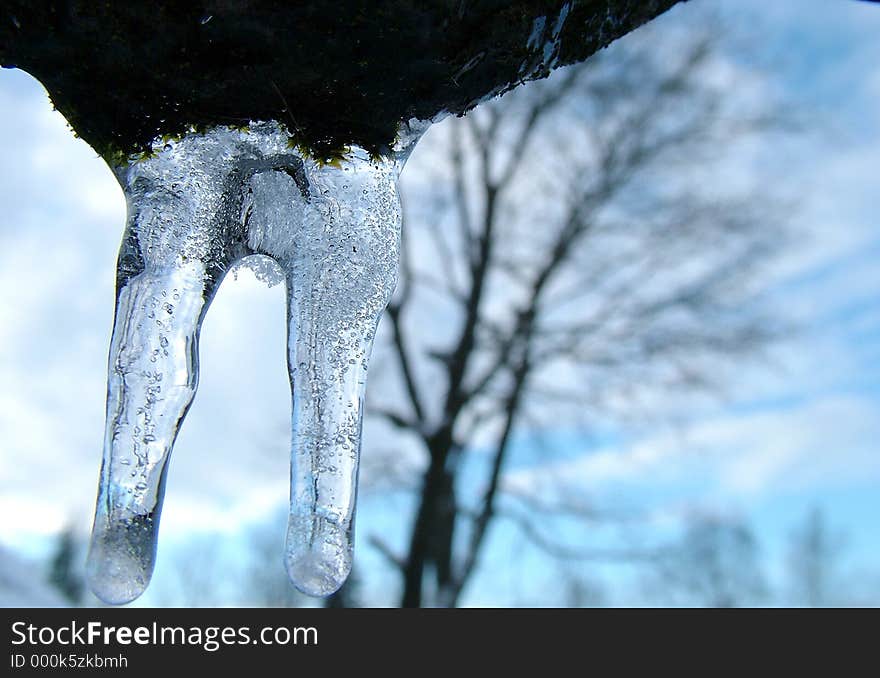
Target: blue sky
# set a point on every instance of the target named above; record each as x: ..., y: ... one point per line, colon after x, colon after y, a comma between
x: 801, y: 430
x: 797, y: 432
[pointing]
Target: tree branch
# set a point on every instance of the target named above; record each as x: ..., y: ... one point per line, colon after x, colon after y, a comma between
x: 541, y: 106
x: 460, y: 198
x: 564, y: 552
x: 398, y: 420
x: 481, y: 523
x: 396, y: 561
x: 395, y: 313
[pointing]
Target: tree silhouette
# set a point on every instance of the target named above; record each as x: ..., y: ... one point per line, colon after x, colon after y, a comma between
x: 715, y: 564
x: 65, y: 566
x: 565, y: 260
x: 813, y: 556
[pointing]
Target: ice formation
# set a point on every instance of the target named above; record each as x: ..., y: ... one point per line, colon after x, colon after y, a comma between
x: 195, y: 209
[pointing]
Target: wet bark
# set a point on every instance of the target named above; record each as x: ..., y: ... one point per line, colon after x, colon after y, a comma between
x: 336, y: 73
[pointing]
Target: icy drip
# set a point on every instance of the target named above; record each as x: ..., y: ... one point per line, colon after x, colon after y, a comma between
x: 195, y: 209
x: 543, y: 45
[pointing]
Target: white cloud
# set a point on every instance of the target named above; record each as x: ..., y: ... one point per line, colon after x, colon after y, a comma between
x: 820, y: 443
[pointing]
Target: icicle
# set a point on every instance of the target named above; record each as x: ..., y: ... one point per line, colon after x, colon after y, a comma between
x: 195, y: 209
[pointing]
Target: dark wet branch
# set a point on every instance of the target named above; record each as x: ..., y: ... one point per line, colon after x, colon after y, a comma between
x: 352, y: 75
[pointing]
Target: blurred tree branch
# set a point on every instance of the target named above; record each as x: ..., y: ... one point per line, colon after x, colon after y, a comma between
x: 615, y: 270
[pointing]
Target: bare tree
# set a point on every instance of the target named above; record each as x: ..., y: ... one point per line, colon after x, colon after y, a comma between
x: 65, y: 565
x: 715, y: 564
x: 581, y: 590
x: 813, y: 561
x: 572, y: 257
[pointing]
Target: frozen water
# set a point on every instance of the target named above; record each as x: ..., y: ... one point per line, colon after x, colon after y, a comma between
x: 543, y: 45
x: 196, y: 209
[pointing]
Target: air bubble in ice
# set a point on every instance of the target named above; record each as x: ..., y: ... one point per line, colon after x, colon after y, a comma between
x: 199, y: 208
